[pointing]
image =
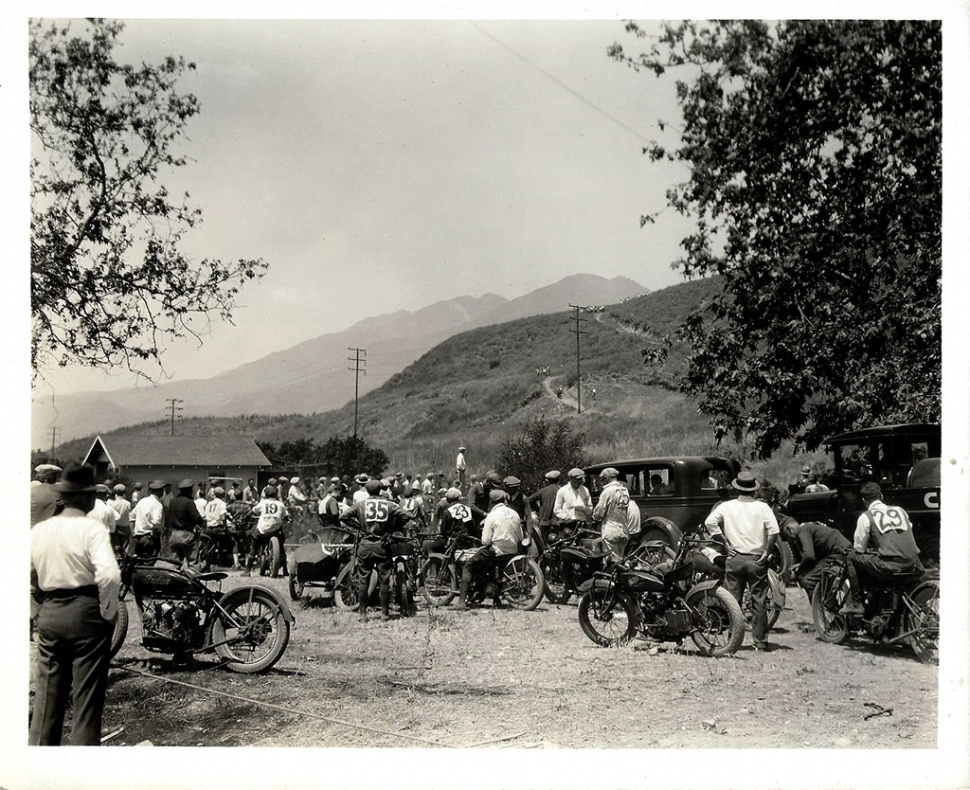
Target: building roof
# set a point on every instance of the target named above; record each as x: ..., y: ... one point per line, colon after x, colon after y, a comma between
x: 212, y: 451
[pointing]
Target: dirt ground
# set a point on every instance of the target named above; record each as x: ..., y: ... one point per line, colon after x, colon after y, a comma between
x: 508, y: 679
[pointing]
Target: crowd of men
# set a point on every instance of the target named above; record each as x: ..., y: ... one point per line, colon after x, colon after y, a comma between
x: 79, y: 527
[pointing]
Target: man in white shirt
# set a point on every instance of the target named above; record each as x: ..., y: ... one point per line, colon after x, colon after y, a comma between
x: 149, y: 518
x: 573, y: 502
x: 122, y: 509
x: 102, y: 511
x: 460, y: 468
x: 613, y: 512
x: 79, y: 577
x: 750, y: 530
x: 501, y: 535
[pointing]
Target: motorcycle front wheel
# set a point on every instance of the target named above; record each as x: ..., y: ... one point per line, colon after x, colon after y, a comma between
x: 253, y: 631
x: 405, y: 599
x: 346, y: 595
x: 829, y: 596
x: 120, y: 631
x: 440, y: 581
x: 924, y: 621
x: 609, y: 619
x: 522, y: 583
x: 717, y: 621
x: 296, y: 586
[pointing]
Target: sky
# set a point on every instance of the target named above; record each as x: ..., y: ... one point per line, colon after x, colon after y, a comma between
x: 387, y: 165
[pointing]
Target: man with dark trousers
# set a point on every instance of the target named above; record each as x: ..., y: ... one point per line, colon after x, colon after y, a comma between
x: 185, y: 522
x: 544, y: 500
x: 80, y: 581
x: 815, y: 546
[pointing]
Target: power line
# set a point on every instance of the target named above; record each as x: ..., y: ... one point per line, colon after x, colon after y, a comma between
x: 562, y: 84
x: 174, y: 405
x: 357, y: 360
x: 579, y: 380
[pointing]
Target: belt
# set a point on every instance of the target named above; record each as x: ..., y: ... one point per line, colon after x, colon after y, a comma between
x: 65, y: 593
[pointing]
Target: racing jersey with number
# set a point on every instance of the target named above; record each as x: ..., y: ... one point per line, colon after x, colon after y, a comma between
x: 379, y: 516
x: 455, y: 520
x: 889, y: 531
x: 271, y: 513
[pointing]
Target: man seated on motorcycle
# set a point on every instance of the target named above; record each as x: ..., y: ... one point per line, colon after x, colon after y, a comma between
x: 271, y: 512
x: 455, y: 522
x: 883, y: 547
x: 238, y: 516
x: 501, y: 535
x: 378, y: 518
x: 815, y: 546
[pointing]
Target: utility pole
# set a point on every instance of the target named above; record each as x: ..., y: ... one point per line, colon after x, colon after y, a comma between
x: 174, y: 405
x: 579, y: 380
x: 54, y: 430
x: 359, y: 358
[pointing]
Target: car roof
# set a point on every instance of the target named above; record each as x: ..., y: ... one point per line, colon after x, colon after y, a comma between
x: 672, y: 460
x: 916, y: 429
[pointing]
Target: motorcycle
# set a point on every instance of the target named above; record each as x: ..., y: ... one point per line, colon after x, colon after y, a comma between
x: 567, y: 561
x: 661, y: 601
x: 907, y: 609
x: 516, y: 580
x: 248, y: 627
x: 403, y: 552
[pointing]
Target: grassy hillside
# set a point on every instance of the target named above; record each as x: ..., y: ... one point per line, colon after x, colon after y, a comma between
x: 480, y: 387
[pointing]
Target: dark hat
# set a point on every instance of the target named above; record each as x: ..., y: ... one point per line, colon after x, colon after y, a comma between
x: 361, y: 478
x: 493, y: 478
x: 157, y: 485
x: 745, y: 482
x: 270, y: 492
x: 220, y: 491
x: 186, y: 483
x: 137, y: 486
x: 552, y: 475
x: 76, y: 479
x: 497, y: 495
x: 373, y: 486
x: 512, y: 482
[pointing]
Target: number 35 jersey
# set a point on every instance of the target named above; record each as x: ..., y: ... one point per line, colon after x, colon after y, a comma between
x: 379, y: 516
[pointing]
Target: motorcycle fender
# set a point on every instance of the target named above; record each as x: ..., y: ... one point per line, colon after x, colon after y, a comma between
x: 702, y: 587
x: 586, y: 586
x: 665, y: 525
x: 243, y: 593
x: 924, y: 585
x: 343, y: 573
x: 600, y: 584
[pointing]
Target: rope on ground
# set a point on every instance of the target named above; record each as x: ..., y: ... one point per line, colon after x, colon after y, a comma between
x: 284, y: 709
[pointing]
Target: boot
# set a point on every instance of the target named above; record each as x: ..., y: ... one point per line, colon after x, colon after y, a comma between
x: 362, y: 595
x: 852, y: 606
x: 462, y: 602
x: 385, y: 605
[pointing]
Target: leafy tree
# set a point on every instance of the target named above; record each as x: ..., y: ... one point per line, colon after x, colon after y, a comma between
x: 541, y: 447
x: 815, y: 161
x: 348, y: 456
x: 108, y: 282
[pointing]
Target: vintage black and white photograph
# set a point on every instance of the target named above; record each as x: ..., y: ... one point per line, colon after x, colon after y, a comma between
x: 459, y: 398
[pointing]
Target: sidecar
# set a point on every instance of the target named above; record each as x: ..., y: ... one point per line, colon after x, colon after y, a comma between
x: 316, y: 564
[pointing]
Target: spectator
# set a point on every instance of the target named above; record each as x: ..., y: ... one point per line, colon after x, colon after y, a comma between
x: 77, y: 572
x: 185, y: 521
x: 460, y: 468
x: 750, y: 529
x: 102, y: 511
x: 149, y: 516
x: 361, y: 493
x: 295, y: 497
x: 544, y: 500
x: 44, y: 501
x: 136, y: 493
x: 414, y: 505
x: 478, y: 496
x: 658, y: 487
x: 573, y: 503
x: 814, y: 486
x: 122, y: 509
x: 249, y: 493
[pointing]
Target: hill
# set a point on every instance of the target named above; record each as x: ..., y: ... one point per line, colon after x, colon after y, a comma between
x: 312, y: 376
x: 481, y: 386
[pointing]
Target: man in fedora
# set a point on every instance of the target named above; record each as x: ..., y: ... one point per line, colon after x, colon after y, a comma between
x: 750, y: 531
x: 79, y: 577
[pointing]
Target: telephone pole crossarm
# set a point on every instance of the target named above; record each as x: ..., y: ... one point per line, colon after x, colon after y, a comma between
x: 359, y: 359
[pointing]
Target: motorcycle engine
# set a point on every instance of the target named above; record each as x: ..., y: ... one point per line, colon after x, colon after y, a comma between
x: 179, y: 621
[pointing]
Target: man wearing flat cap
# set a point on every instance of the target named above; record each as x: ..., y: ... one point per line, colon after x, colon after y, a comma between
x: 44, y: 501
x: 573, y: 503
x: 750, y: 530
x: 79, y: 577
x: 478, y: 496
x: 543, y: 501
x: 122, y: 508
x: 149, y: 520
x: 461, y: 467
x: 618, y: 516
x: 501, y: 536
x: 102, y: 511
x: 185, y: 522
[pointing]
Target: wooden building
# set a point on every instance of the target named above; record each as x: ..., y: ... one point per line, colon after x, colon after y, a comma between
x: 142, y: 459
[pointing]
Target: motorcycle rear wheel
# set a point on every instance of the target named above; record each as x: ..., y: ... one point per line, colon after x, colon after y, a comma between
x: 295, y: 585
x: 555, y: 586
x: 925, y: 622
x: 405, y: 600
x: 608, y: 619
x: 718, y: 623
x: 346, y: 595
x: 255, y: 631
x: 827, y: 599
x: 440, y: 581
x: 522, y: 583
x: 120, y: 631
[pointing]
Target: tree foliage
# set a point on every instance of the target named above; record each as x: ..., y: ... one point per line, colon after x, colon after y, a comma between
x: 815, y: 161
x: 108, y: 282
x: 337, y: 456
x: 541, y: 447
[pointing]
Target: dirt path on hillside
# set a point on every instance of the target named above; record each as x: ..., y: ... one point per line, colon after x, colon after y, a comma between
x: 566, y: 398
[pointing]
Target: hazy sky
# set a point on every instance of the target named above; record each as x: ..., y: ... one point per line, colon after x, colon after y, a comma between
x: 387, y: 165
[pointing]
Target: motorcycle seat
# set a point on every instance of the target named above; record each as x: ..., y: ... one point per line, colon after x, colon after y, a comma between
x: 211, y: 576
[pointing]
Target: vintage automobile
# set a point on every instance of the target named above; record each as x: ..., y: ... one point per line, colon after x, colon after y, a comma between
x: 674, y: 494
x: 903, y: 459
